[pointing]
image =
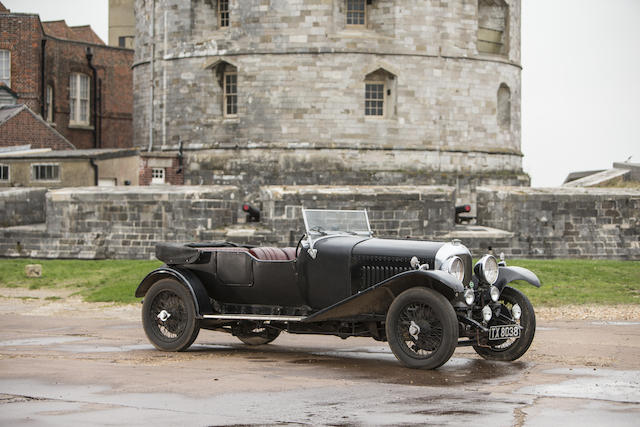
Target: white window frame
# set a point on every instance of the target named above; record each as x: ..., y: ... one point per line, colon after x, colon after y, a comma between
x: 224, y: 14
x: 349, y: 9
x: 49, y: 103
x: 7, y: 176
x: 56, y: 166
x: 366, y: 99
x: 229, y: 96
x: 5, y: 67
x: 158, y: 175
x: 79, y: 102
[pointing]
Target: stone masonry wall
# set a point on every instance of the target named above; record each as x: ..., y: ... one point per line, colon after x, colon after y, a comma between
x: 127, y: 222
x: 563, y: 222
x: 22, y: 206
x: 394, y: 212
x: 95, y: 223
x: 301, y: 75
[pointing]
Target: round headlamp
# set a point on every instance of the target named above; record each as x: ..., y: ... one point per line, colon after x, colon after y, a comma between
x: 455, y: 267
x: 487, y: 269
x: 487, y: 314
x: 494, y: 292
x: 469, y: 296
x: 516, y: 311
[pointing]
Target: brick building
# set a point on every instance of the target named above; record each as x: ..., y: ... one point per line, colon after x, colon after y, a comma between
x: 19, y: 126
x: 70, y: 77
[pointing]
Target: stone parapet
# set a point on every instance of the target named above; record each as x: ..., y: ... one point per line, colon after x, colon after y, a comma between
x: 563, y: 222
x: 22, y: 206
x: 395, y: 212
x: 122, y: 222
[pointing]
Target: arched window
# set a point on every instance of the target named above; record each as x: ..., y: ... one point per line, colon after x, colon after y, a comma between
x: 504, y: 106
x: 227, y: 77
x: 493, y: 26
x: 379, y: 94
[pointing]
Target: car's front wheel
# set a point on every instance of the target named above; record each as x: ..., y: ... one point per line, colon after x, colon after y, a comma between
x: 422, y: 328
x: 511, y: 348
x: 169, y: 316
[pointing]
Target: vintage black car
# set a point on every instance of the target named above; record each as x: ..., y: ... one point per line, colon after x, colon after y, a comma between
x: 421, y: 297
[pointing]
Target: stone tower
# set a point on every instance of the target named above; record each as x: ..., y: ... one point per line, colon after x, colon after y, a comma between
x: 332, y: 91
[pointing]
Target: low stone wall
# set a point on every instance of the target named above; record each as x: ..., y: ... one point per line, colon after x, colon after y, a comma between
x: 563, y: 222
x: 122, y: 222
x: 416, y: 211
x: 22, y: 206
x: 127, y: 222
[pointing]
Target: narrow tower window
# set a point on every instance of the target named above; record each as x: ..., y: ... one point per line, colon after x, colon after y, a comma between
x: 374, y: 99
x: 223, y: 13
x: 380, y: 94
x: 504, y: 106
x: 356, y: 12
x: 492, y: 26
x: 230, y: 93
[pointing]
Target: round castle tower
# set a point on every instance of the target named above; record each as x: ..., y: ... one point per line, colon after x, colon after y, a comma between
x: 332, y: 91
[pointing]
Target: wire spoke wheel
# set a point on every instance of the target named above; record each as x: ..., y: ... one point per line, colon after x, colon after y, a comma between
x: 169, y: 316
x: 426, y: 327
x: 510, y: 348
x: 422, y: 328
x: 168, y: 306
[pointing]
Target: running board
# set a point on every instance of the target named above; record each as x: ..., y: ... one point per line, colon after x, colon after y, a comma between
x: 254, y: 317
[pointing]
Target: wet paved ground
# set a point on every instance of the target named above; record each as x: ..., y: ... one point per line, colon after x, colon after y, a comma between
x: 74, y: 368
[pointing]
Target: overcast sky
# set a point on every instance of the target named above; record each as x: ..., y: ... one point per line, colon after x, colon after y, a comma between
x: 580, y: 80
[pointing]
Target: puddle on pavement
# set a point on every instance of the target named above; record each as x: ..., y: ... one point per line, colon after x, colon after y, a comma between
x: 44, y: 341
x: 614, y: 323
x: 596, y: 384
x: 103, y: 348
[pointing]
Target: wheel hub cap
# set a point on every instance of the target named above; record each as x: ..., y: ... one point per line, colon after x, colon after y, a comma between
x: 414, y: 329
x: 164, y: 315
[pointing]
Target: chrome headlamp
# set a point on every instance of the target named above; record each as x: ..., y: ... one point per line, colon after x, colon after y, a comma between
x: 494, y: 293
x: 469, y: 296
x: 487, y: 269
x: 455, y: 267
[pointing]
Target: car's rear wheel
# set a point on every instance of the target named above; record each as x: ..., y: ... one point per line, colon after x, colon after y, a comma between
x: 422, y: 328
x: 252, y: 333
x: 169, y: 316
x: 511, y: 348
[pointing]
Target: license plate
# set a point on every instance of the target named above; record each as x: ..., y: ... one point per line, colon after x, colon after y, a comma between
x: 504, y: 331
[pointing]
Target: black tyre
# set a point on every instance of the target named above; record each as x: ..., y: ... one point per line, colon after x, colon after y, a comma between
x: 512, y: 348
x: 422, y: 328
x: 169, y: 316
x: 252, y: 333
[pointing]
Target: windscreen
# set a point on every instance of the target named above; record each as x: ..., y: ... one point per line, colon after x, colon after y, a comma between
x: 325, y: 222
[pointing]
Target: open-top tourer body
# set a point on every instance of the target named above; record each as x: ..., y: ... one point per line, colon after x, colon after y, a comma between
x: 423, y: 297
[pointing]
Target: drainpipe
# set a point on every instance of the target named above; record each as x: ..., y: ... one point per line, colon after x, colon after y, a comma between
x: 94, y: 89
x: 94, y: 165
x: 153, y: 60
x: 43, y: 89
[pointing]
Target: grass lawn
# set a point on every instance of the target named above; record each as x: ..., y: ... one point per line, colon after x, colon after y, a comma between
x: 563, y: 281
x: 573, y: 281
x: 104, y: 280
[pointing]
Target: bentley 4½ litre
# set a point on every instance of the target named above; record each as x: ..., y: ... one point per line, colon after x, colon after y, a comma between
x: 424, y: 298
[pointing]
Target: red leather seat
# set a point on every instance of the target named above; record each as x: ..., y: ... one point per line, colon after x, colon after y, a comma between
x: 267, y: 253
